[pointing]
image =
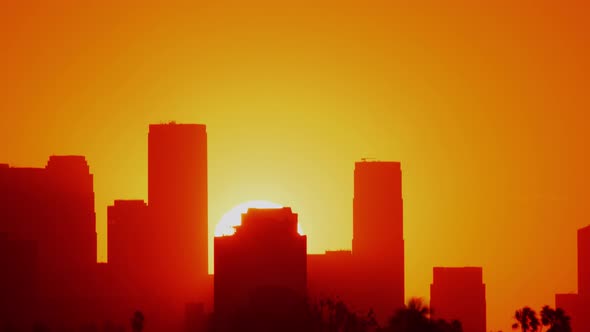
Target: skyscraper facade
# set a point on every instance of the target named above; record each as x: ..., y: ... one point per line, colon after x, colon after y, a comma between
x: 177, y: 200
x: 378, y: 242
x: 458, y: 293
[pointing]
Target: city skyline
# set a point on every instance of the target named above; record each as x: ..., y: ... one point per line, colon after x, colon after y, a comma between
x: 137, y: 229
x: 484, y: 105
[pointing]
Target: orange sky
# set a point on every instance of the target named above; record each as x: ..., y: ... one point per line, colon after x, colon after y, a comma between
x: 484, y: 105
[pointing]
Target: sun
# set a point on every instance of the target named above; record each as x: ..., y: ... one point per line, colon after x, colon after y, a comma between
x: 233, y: 217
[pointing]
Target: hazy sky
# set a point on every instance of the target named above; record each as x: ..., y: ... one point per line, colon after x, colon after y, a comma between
x: 486, y: 106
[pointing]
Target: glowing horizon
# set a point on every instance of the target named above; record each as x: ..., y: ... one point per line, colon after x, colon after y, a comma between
x: 485, y: 104
x: 232, y: 218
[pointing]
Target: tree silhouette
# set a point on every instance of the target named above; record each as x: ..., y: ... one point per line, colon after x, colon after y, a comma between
x: 137, y: 322
x: 414, y: 317
x: 556, y: 319
x: 442, y: 325
x: 526, y: 319
x: 325, y: 315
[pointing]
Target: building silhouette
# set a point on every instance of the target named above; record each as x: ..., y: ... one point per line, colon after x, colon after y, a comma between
x: 19, y: 277
x: 371, y: 276
x: 571, y: 304
x: 333, y: 275
x: 378, y: 242
x: 261, y: 270
x: 458, y: 293
x: 584, y: 261
x: 49, y: 226
x: 130, y: 250
x: 177, y: 200
x: 157, y: 251
x: 577, y: 306
x: 53, y: 207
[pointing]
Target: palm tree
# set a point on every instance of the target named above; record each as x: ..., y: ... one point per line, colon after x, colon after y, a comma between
x: 526, y: 319
x: 556, y: 319
x: 137, y: 322
x: 414, y: 317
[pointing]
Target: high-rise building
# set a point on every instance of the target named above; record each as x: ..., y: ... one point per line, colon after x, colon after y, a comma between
x: 261, y: 269
x: 378, y: 242
x: 130, y: 250
x: 458, y: 293
x: 126, y: 221
x: 53, y: 207
x: 332, y: 275
x: 584, y: 261
x: 570, y: 303
x: 577, y: 306
x: 177, y: 200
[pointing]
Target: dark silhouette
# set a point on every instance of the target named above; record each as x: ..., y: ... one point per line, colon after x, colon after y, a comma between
x: 89, y: 327
x: 137, y: 322
x: 578, y: 305
x: 372, y: 274
x: 555, y: 319
x: 416, y: 317
x: 584, y: 261
x: 442, y: 325
x: 40, y: 327
x: 261, y: 270
x: 195, y: 317
x: 325, y: 315
x: 48, y: 224
x: 526, y: 320
x: 178, y: 204
x: 157, y: 253
x: 334, y: 315
x: 130, y: 249
x: 54, y: 208
x: 459, y: 294
x: 412, y: 318
x: 378, y: 243
x: 332, y: 275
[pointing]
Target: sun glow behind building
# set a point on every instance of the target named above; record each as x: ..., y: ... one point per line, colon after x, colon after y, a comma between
x: 233, y: 217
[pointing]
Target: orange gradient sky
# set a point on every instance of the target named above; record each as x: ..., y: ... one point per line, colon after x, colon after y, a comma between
x: 486, y: 106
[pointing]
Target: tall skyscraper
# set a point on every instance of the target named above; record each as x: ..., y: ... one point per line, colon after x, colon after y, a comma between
x: 177, y: 200
x: 261, y: 270
x: 378, y: 243
x: 458, y: 293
